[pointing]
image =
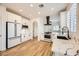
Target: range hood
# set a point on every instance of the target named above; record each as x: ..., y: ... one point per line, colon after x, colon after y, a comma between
x: 24, y: 26
x: 47, y: 20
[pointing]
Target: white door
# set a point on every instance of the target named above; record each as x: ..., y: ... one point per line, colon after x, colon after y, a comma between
x: 40, y: 30
x: 35, y: 29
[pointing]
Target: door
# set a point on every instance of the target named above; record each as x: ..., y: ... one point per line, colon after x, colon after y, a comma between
x: 35, y: 30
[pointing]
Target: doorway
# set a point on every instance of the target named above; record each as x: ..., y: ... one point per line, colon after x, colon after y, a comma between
x: 35, y: 30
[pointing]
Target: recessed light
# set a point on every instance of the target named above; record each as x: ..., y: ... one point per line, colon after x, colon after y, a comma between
x: 31, y: 5
x: 52, y: 8
x: 20, y: 10
x: 38, y: 12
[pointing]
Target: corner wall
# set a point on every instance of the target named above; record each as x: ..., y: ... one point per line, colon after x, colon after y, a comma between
x: 3, y: 18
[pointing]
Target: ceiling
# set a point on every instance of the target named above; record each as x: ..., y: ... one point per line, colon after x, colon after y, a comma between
x: 32, y: 10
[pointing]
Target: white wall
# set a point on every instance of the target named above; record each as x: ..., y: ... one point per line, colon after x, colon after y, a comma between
x: 3, y: 19
x: 31, y: 27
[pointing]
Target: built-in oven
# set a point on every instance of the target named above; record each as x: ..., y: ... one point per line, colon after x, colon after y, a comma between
x: 47, y: 35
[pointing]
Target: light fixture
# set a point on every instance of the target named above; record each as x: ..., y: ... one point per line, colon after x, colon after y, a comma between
x: 38, y: 12
x: 31, y: 5
x: 52, y: 9
x: 20, y: 10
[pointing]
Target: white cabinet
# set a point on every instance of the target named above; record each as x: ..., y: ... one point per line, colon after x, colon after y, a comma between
x: 18, y: 19
x: 13, y: 34
x: 25, y: 31
x: 25, y: 35
x: 11, y: 30
x: 13, y: 42
x: 63, y: 19
x: 23, y: 21
x: 3, y: 18
x: 12, y: 17
x: 15, y: 26
x: 14, y: 29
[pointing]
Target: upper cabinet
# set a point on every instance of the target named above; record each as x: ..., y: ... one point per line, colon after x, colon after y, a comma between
x: 11, y: 17
x: 63, y: 19
x: 25, y: 21
x: 18, y: 19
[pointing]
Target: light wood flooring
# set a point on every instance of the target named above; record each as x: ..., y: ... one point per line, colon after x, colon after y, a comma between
x: 30, y: 48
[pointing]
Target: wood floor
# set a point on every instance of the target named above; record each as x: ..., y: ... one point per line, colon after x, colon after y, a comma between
x: 30, y: 48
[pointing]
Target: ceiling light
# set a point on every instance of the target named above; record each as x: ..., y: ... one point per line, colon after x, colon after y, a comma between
x: 20, y: 10
x: 31, y: 5
x: 52, y: 8
x: 38, y: 12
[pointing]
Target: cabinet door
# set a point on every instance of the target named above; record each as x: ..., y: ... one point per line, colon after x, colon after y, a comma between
x: 63, y: 19
x: 18, y: 28
x: 11, y: 30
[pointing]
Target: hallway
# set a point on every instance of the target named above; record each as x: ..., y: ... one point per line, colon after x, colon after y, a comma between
x: 30, y: 48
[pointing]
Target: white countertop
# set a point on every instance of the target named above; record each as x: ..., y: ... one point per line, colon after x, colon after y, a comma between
x: 60, y: 46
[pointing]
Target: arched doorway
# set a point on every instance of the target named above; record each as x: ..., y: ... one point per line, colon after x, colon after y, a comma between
x: 35, y: 30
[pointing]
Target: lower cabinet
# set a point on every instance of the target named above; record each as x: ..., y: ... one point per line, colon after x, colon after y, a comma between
x: 13, y: 42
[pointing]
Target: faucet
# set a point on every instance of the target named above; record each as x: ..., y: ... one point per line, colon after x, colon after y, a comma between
x: 66, y: 51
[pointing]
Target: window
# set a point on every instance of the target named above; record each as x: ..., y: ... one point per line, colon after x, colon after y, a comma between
x: 71, y: 21
x: 73, y: 18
